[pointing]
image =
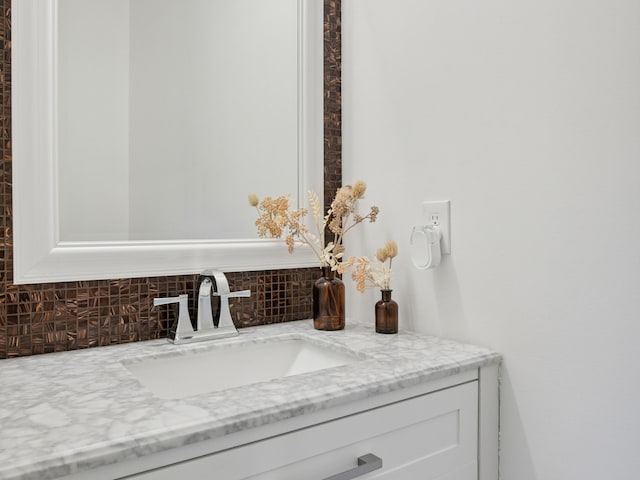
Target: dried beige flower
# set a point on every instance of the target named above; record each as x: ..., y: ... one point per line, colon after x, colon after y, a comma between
x: 342, y: 205
x: 358, y: 190
x: 373, y: 215
x: 391, y: 249
x: 371, y: 274
x: 315, y: 204
x: 289, y: 242
x: 360, y: 274
x: 274, y: 216
x: 344, y: 265
x: 276, y: 219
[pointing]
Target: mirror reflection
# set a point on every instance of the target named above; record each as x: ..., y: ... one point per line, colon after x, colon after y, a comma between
x: 169, y: 113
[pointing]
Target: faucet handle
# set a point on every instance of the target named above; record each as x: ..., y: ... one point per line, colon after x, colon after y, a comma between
x: 183, y: 326
x: 239, y: 293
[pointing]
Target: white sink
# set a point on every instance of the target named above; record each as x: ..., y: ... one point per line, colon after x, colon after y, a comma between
x: 192, y: 372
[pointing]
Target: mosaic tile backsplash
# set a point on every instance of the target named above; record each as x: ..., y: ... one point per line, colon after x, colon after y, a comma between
x: 43, y: 318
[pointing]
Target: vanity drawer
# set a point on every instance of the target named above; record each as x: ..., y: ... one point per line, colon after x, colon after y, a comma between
x: 429, y: 437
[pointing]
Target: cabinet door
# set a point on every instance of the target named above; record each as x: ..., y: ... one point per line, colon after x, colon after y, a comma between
x: 431, y: 437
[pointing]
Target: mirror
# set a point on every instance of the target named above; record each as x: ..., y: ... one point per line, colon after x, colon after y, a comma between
x: 162, y: 105
x: 140, y: 126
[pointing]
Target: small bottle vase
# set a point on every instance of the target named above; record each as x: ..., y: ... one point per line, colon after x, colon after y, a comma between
x: 328, y: 301
x: 386, y: 314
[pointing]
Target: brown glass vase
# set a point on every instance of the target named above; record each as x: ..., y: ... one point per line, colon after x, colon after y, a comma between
x: 386, y: 314
x: 328, y: 301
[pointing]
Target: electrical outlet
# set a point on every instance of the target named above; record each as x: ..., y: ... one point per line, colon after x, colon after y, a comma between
x: 438, y: 213
x: 434, y: 218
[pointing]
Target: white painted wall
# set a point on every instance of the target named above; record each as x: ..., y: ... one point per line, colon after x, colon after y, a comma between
x: 93, y: 116
x: 526, y: 115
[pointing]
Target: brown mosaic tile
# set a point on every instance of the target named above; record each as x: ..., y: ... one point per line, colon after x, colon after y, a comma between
x: 44, y: 318
x: 332, y: 99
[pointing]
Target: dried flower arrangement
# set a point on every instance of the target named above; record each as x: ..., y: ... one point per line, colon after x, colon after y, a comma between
x: 276, y: 218
x: 368, y: 274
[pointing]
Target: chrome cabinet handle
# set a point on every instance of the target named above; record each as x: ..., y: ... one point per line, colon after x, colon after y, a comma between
x: 366, y: 463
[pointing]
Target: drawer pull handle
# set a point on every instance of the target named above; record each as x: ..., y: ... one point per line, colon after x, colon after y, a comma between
x: 366, y: 463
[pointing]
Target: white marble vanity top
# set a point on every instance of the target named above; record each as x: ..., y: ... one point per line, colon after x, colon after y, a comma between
x: 68, y: 412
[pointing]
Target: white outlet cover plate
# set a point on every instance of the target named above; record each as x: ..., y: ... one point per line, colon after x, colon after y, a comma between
x: 441, y: 208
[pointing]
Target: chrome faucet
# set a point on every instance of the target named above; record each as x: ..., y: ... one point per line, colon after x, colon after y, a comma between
x: 208, y: 326
x: 204, y: 312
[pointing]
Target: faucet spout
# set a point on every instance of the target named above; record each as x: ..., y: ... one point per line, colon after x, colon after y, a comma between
x: 223, y: 291
x: 205, y: 312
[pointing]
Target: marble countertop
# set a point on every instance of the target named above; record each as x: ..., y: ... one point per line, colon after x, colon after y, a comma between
x: 73, y: 411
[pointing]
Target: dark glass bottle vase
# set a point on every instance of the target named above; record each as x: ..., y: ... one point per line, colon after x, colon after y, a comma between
x: 328, y: 301
x: 386, y: 314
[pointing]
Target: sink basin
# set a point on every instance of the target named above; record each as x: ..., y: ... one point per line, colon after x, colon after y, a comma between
x: 192, y: 372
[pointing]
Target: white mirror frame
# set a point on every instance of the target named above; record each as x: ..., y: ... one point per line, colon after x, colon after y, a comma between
x: 40, y: 256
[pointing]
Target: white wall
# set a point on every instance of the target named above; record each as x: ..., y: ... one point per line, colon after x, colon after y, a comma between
x: 93, y: 103
x: 526, y: 115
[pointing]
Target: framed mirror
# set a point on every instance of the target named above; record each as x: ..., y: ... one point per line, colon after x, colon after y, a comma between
x: 140, y: 126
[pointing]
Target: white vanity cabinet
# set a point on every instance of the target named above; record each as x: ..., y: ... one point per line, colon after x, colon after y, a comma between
x: 431, y: 436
